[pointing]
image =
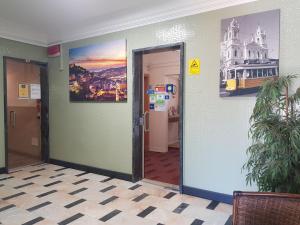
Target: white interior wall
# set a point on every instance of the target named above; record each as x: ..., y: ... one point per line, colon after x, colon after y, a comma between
x: 160, y: 66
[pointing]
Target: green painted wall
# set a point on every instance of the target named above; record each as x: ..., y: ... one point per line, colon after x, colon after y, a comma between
x: 17, y: 50
x: 215, y: 129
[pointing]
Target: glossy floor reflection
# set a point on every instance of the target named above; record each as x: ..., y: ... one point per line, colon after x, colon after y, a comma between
x: 49, y: 194
x: 16, y: 159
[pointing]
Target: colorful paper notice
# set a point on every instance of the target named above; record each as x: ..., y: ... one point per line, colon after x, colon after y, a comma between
x: 160, y: 104
x: 170, y: 88
x: 150, y: 92
x: 194, y: 66
x: 160, y: 88
x: 151, y: 106
x: 152, y: 98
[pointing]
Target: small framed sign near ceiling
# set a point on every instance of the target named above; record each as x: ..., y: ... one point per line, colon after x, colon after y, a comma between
x: 54, y: 51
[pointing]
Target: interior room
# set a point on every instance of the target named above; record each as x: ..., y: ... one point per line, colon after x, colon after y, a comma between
x: 161, y: 134
x: 150, y: 112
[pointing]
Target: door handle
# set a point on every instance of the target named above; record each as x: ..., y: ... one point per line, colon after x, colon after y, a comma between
x: 12, y: 118
x: 146, y: 121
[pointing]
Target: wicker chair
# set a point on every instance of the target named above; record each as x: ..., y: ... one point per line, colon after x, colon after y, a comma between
x: 253, y: 208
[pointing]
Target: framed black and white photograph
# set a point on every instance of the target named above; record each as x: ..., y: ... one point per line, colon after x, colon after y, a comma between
x: 249, y: 52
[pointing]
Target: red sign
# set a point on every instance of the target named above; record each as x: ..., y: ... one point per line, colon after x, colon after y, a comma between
x: 160, y: 89
x: 54, y: 51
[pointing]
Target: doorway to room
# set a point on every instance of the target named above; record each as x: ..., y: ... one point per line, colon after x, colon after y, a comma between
x: 26, y: 112
x: 158, y: 114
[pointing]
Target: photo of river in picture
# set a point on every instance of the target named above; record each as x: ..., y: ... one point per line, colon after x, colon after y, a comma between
x: 98, y: 73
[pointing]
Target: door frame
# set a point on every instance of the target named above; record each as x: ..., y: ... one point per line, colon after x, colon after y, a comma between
x: 44, y: 107
x: 137, y: 107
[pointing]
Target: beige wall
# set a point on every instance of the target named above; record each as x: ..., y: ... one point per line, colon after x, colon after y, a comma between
x: 215, y: 129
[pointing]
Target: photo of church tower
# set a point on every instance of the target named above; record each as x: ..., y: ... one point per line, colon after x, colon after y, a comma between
x: 249, y: 52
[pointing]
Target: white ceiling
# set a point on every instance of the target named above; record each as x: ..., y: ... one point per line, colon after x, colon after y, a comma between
x: 47, y: 22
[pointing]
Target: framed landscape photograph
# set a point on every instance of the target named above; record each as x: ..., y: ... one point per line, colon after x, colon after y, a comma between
x: 98, y: 73
x: 249, y: 52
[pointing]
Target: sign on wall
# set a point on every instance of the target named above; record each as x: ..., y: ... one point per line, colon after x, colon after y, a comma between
x: 53, y: 51
x: 194, y: 66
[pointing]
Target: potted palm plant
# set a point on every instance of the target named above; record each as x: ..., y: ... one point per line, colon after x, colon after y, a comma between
x: 274, y: 155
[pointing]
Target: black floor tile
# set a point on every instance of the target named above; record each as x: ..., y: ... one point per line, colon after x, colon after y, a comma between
x: 80, y: 181
x: 15, y: 171
x: 212, y: 205
x: 34, y: 221
x: 34, y: 171
x: 77, y: 191
x: 180, y: 208
x: 141, y: 197
x: 71, y: 219
x: 81, y: 174
x: 170, y: 195
x: 229, y: 221
x: 7, y: 207
x: 75, y: 203
x: 197, y: 222
x: 135, y: 187
x: 6, y: 178
x: 23, y: 185
x: 58, y: 175
x: 107, y: 179
x: 53, y: 183
x: 13, y: 196
x: 146, y: 212
x: 31, y: 177
x: 108, y: 188
x: 108, y: 200
x: 39, y: 206
x: 46, y: 193
x: 64, y: 168
x: 110, y: 215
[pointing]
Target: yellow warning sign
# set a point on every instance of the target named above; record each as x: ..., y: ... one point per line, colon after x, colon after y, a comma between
x: 194, y: 66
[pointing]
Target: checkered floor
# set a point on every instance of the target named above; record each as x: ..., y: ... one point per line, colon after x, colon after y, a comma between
x: 49, y: 194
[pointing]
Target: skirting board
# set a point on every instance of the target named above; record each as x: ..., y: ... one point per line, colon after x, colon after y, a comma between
x: 2, y: 170
x: 90, y: 169
x: 207, y: 194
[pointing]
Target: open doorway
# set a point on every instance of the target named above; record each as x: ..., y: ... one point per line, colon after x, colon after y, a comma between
x: 158, y: 114
x: 161, y: 114
x: 26, y: 112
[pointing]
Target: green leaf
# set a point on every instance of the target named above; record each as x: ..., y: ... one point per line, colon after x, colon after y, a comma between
x: 274, y: 155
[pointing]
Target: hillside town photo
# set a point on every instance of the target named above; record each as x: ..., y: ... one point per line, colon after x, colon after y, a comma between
x: 249, y: 52
x: 98, y: 73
